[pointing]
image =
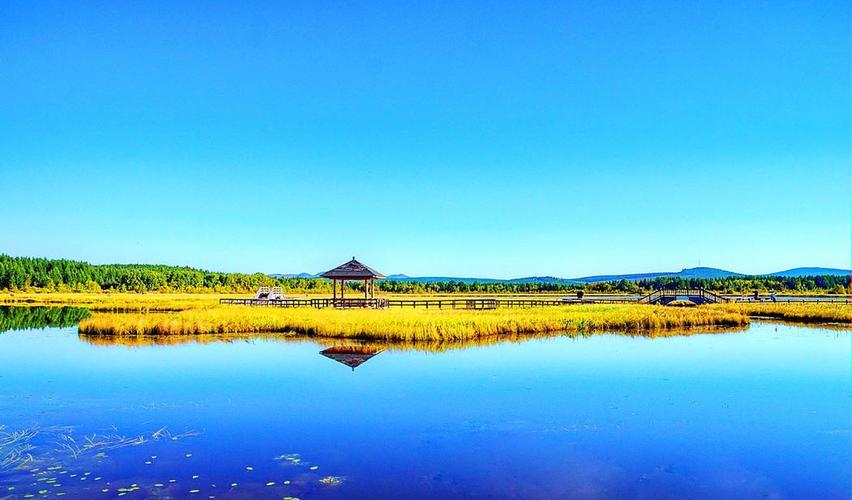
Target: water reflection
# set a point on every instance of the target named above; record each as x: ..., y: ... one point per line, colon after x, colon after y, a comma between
x: 757, y: 414
x: 352, y: 356
x: 390, y: 345
x: 37, y: 317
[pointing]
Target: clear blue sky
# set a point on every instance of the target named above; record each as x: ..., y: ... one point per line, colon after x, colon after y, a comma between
x: 431, y: 138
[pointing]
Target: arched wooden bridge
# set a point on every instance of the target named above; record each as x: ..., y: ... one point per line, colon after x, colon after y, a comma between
x: 694, y: 295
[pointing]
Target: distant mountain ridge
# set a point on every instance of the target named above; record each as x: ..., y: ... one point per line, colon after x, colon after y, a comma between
x: 811, y: 271
x: 300, y: 275
x: 693, y: 272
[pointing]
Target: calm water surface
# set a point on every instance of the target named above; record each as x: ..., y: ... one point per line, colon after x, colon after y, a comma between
x: 753, y: 414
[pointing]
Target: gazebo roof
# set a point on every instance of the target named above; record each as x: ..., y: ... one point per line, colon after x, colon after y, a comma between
x: 353, y: 270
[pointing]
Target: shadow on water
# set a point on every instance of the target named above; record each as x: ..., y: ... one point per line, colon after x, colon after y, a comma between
x: 29, y: 318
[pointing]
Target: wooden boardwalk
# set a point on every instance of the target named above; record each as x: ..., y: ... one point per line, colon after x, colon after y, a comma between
x: 695, y: 295
x: 699, y: 296
x: 382, y: 303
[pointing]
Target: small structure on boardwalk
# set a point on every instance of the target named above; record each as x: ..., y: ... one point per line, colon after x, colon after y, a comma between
x: 267, y: 293
x: 352, y: 356
x: 354, y: 271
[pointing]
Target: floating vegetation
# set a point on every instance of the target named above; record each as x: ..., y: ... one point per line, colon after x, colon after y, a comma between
x: 48, y: 446
x: 75, y: 448
x: 25, y: 449
x: 292, y: 458
x: 16, y: 448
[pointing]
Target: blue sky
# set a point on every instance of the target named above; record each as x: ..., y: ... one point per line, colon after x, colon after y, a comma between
x: 431, y: 138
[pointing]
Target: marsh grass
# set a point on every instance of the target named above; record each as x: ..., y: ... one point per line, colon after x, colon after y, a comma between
x: 410, y: 325
x: 113, y: 301
x: 799, y: 312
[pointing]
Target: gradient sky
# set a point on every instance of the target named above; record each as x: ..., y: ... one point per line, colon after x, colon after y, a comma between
x: 430, y: 138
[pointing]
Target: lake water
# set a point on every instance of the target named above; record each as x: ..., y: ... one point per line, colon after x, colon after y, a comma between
x: 759, y: 413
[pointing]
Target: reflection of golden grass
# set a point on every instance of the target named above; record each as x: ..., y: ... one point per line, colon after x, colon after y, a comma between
x: 415, y: 325
x: 167, y: 340
x: 436, y: 345
x: 801, y: 312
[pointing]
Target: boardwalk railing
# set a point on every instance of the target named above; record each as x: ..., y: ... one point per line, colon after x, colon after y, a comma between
x: 350, y: 303
x: 657, y: 296
x: 317, y: 303
x: 381, y: 303
x: 270, y: 302
x: 693, y: 293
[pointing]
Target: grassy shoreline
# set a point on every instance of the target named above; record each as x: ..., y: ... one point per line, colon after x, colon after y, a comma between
x: 409, y: 325
x: 200, y: 314
x: 815, y: 312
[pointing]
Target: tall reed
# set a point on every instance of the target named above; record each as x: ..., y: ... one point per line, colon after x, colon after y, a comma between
x: 801, y: 312
x: 409, y: 324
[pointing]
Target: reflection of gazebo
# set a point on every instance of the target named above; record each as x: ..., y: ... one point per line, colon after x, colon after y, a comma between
x: 354, y: 271
x: 352, y: 356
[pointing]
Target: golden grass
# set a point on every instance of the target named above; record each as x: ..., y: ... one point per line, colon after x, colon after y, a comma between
x: 409, y: 325
x: 113, y: 301
x: 181, y: 301
x: 799, y: 312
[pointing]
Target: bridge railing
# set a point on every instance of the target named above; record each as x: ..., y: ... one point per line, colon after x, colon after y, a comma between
x: 705, y: 295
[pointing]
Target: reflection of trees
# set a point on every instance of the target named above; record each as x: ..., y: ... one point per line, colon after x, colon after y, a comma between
x: 26, y: 318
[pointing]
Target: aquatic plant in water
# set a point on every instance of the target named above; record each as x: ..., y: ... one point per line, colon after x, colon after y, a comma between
x: 35, y: 445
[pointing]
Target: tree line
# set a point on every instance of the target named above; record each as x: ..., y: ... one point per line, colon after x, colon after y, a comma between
x: 27, y: 273
x: 733, y: 285
x: 40, y: 274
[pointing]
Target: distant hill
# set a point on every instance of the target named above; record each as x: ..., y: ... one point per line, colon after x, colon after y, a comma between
x: 693, y: 272
x: 300, y: 275
x: 706, y: 272
x: 811, y: 271
x: 543, y: 279
x: 445, y: 279
x: 441, y: 279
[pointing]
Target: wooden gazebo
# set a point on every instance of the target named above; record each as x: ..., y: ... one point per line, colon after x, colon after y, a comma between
x: 354, y: 271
